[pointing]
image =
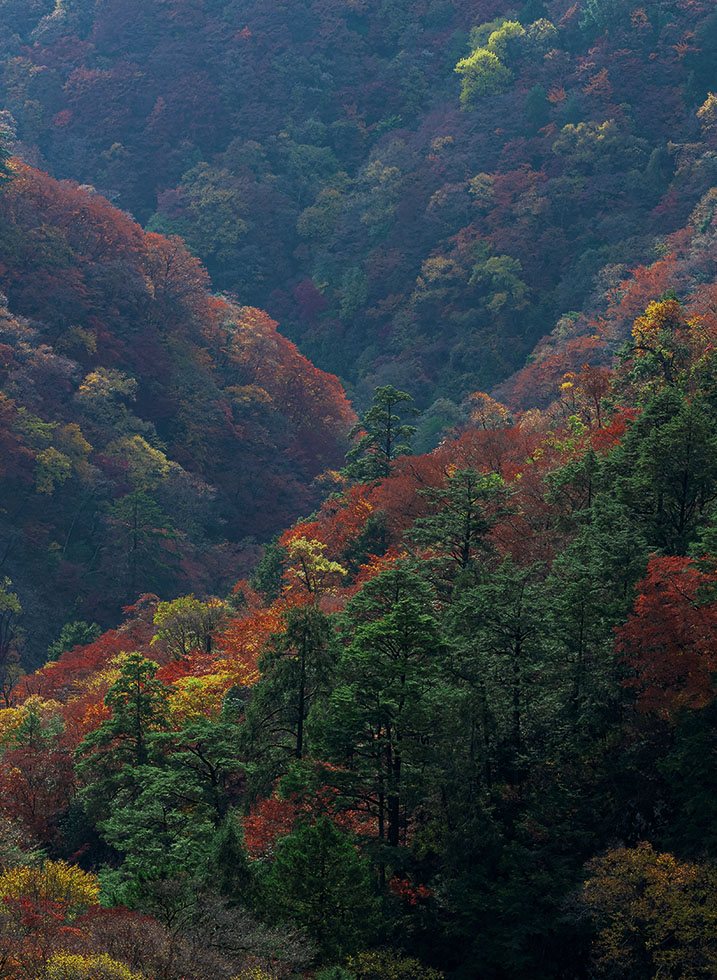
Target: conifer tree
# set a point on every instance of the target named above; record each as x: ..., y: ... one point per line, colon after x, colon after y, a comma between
x: 319, y: 881
x: 380, y: 436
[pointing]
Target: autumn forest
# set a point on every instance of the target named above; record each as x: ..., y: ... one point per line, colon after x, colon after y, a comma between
x: 358, y: 490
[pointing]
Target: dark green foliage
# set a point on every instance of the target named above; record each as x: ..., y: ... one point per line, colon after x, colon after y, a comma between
x: 140, y: 533
x: 380, y: 436
x: 159, y: 799
x: 537, y: 107
x: 161, y: 830
x: 111, y: 755
x: 319, y: 882
x: 666, y: 469
x: 296, y: 669
x: 334, y: 973
x: 381, y: 710
x: 77, y: 633
x: 602, y: 15
x: 531, y: 11
x: 137, y: 702
x: 690, y: 776
x: 465, y: 509
x: 372, y: 540
x: 228, y: 868
x: 269, y: 570
x: 502, y: 652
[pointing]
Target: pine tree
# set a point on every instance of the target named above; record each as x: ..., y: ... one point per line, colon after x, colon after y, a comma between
x: 380, y: 436
x: 319, y: 881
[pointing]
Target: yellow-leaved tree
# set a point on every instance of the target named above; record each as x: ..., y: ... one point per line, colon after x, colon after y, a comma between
x: 655, y: 916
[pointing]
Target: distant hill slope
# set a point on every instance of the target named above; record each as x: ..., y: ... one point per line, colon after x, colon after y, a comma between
x: 147, y: 427
x: 317, y: 158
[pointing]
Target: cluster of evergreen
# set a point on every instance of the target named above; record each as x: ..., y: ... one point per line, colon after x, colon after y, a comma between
x: 460, y: 722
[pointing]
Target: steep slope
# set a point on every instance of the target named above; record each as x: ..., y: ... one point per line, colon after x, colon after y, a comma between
x: 318, y: 158
x: 454, y: 691
x: 149, y: 427
x: 687, y: 269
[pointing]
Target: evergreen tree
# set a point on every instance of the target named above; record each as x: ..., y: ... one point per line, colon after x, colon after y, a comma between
x: 74, y: 634
x: 137, y: 702
x: 665, y: 470
x: 140, y: 558
x: 268, y: 573
x: 109, y: 758
x: 319, y: 882
x: 380, y: 436
x: 170, y: 817
x: 295, y: 669
x: 229, y: 871
x: 380, y: 714
x: 497, y: 638
x: 465, y: 508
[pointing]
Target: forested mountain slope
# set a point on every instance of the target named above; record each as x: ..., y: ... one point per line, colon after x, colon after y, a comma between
x: 597, y: 335
x: 460, y: 723
x: 403, y: 221
x: 147, y: 427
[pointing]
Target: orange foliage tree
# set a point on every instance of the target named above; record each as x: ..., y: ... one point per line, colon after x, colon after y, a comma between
x: 670, y: 639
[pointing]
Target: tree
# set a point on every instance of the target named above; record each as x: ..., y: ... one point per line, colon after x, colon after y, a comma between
x: 580, y: 617
x: 187, y: 624
x: 692, y: 783
x: 228, y: 865
x: 382, y: 436
x: 10, y: 611
x: 498, y: 649
x: 465, y: 508
x: 665, y: 469
x: 75, y: 634
x: 168, y: 818
x: 654, y: 915
x: 498, y: 277
x: 380, y: 713
x: 37, y: 779
x: 483, y: 74
x: 670, y: 638
x: 598, y: 16
x: 270, y: 569
x: 537, y: 107
x: 295, y: 668
x: 162, y: 828
x: 319, y: 882
x: 139, y: 544
x: 659, y: 338
x: 309, y: 569
x: 214, y: 225
x: 109, y: 757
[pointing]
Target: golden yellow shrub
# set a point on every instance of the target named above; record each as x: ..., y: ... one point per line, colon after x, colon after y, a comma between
x: 53, y: 881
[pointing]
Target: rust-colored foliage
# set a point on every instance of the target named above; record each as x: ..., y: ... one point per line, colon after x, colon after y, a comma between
x: 670, y: 639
